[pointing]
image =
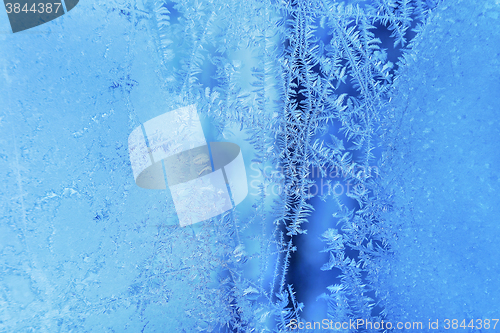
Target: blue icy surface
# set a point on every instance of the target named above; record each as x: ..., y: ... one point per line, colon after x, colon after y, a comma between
x: 83, y: 249
x: 443, y: 167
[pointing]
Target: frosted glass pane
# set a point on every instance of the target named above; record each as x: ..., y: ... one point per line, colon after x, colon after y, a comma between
x: 116, y: 216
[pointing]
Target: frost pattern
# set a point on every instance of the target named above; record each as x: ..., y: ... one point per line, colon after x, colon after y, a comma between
x: 322, y: 62
x: 308, y: 84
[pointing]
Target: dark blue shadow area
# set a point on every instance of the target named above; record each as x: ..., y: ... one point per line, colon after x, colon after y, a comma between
x: 305, y: 273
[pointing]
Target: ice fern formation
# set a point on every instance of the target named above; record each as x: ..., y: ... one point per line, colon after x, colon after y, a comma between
x: 306, y: 80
